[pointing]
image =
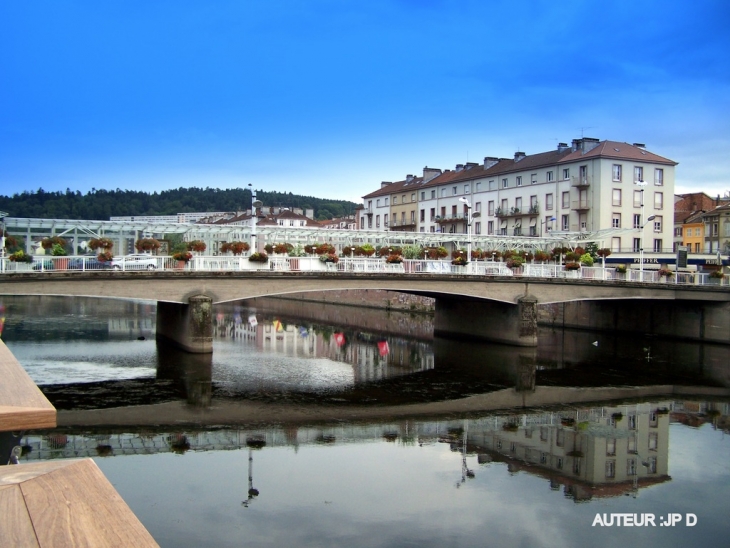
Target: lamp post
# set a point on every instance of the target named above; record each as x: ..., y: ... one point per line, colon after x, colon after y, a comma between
x: 641, y: 246
x: 468, y: 228
x: 641, y: 185
x: 544, y: 223
x: 254, y: 205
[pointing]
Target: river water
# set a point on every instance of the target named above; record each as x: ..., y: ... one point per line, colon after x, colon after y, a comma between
x: 316, y: 432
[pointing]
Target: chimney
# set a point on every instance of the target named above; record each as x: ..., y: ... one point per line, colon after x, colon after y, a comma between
x: 459, y: 167
x: 519, y: 156
x: 585, y: 144
x: 562, y: 147
x: 490, y: 161
x: 385, y: 183
x: 639, y: 145
x: 409, y: 178
x: 470, y: 165
x: 430, y: 173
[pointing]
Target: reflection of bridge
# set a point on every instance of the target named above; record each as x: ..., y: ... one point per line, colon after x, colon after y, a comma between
x: 498, y: 308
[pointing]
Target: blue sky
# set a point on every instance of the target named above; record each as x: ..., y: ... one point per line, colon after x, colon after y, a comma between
x: 328, y: 98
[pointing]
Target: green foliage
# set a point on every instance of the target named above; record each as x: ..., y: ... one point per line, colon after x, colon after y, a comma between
x: 102, y: 204
x: 586, y: 259
x: 412, y: 251
x: 58, y: 250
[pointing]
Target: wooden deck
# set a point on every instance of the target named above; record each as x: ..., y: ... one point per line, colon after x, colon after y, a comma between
x: 22, y: 405
x: 55, y: 503
x: 65, y: 503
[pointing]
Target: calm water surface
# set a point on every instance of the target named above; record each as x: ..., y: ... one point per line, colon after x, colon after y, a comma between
x: 536, y: 477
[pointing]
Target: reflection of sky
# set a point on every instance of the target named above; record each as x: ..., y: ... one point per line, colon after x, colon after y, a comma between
x: 83, y: 361
x: 390, y: 494
x: 241, y: 366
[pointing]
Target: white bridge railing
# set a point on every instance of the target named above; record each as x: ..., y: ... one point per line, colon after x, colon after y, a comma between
x: 357, y: 264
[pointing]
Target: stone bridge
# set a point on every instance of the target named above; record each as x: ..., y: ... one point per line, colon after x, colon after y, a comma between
x: 497, y: 308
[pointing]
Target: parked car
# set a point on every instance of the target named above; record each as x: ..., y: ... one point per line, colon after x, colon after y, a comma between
x: 87, y: 263
x: 135, y: 261
x: 42, y: 264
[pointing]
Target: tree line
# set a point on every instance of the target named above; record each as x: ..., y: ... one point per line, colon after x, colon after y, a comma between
x: 102, y: 204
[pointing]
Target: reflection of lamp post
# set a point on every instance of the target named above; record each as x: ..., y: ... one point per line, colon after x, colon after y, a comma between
x: 544, y: 224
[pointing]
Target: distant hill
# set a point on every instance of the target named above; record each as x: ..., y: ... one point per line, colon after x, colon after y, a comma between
x: 102, y: 204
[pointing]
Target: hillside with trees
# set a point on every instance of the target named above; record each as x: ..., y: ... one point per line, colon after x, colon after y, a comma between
x: 102, y: 204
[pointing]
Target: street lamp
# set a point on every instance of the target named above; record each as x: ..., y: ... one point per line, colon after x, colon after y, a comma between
x: 254, y: 205
x: 641, y: 246
x: 544, y: 223
x: 464, y: 201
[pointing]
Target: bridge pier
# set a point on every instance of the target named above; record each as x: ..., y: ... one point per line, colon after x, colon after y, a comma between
x: 514, y: 324
x: 187, y: 326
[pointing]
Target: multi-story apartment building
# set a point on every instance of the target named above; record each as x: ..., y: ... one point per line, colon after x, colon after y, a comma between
x: 586, y: 187
x: 717, y: 229
x: 689, y: 225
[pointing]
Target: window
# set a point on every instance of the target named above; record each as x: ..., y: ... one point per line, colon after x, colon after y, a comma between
x: 543, y: 433
x: 518, y: 205
x: 610, y: 446
x: 413, y: 196
x: 559, y: 463
x: 453, y: 191
x: 631, y: 444
x: 433, y: 194
x: 377, y: 221
x: 477, y: 228
x: 697, y: 247
x: 543, y: 458
x: 395, y: 200
x: 565, y: 222
x: 413, y: 216
x: 443, y: 192
x: 566, y: 174
x: 576, y: 467
x: 490, y: 227
x: 616, y: 197
x: 653, y: 441
x: 651, y: 468
x: 566, y: 200
x: 362, y: 222
x: 637, y: 220
x: 466, y: 189
x: 453, y: 211
x: 386, y: 201
x: 548, y: 202
x: 549, y: 176
x: 395, y: 219
x: 637, y: 244
x: 638, y: 173
x: 423, y: 195
x: 433, y: 213
x: 658, y: 246
x: 630, y: 467
x: 658, y: 223
x: 632, y: 422
x: 504, y: 183
x: 616, y: 244
x: 504, y: 205
x: 637, y: 198
x: 377, y: 203
x: 370, y: 204
x: 610, y: 469
x: 659, y: 177
x: 616, y: 220
x: 492, y: 185
x: 402, y: 217
x: 490, y: 208
x: 658, y: 200
x: 478, y: 206
x: 533, y: 178
x: 403, y: 199
x: 479, y: 187
x: 616, y: 173
x: 370, y: 221
x: 423, y: 215
x: 519, y: 180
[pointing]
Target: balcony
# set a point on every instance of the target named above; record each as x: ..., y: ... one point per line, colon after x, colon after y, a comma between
x: 517, y: 211
x: 402, y: 224
x: 581, y: 181
x: 579, y: 205
x: 454, y: 218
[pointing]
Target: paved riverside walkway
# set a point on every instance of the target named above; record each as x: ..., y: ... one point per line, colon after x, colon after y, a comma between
x: 54, y: 504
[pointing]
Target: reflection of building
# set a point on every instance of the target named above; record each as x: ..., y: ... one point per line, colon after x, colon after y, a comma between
x: 694, y: 413
x: 597, y: 452
x: 372, y: 357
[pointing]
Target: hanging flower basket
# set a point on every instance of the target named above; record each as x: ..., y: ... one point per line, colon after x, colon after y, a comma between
x: 329, y: 258
x: 394, y: 259
x: 572, y: 266
x: 147, y: 244
x: 48, y: 243
x: 258, y: 257
x: 460, y: 261
x: 104, y: 256
x: 100, y: 243
x: 196, y: 245
x: 20, y: 257
x: 234, y: 247
x: 183, y: 256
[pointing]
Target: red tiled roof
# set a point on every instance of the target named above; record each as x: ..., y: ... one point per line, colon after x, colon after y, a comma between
x: 619, y: 151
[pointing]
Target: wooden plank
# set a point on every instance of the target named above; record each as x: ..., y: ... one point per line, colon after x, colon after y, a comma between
x: 22, y: 404
x: 75, y: 505
x: 16, y: 528
x: 18, y: 473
